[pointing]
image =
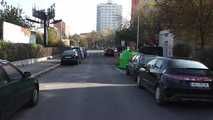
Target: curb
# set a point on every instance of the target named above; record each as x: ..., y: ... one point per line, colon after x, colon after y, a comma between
x: 45, y: 71
x: 30, y: 61
x: 119, y: 70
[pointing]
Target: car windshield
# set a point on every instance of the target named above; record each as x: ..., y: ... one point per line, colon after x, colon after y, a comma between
x: 186, y: 67
x: 193, y: 72
x: 186, y: 64
x: 68, y: 52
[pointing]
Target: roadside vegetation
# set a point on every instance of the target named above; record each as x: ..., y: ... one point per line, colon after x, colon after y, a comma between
x: 190, y: 21
x: 14, y: 52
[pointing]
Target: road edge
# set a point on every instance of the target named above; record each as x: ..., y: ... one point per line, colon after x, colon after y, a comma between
x: 45, y: 70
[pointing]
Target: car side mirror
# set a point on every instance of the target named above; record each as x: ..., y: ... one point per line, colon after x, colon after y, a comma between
x: 147, y: 68
x: 27, y: 74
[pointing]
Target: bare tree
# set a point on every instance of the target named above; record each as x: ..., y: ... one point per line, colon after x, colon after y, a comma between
x: 191, y: 18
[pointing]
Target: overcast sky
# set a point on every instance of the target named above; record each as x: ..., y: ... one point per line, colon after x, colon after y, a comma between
x: 80, y: 15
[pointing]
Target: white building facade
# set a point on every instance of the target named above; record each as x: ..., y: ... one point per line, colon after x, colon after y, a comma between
x: 166, y: 41
x: 109, y: 16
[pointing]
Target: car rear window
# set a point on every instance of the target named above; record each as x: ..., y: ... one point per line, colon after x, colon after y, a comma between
x: 187, y: 67
x: 187, y: 64
x: 193, y: 72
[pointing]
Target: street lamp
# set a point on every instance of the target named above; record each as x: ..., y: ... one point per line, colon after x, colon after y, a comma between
x: 138, y: 33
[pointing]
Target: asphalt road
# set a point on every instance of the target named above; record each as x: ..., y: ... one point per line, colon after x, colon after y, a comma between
x: 96, y: 90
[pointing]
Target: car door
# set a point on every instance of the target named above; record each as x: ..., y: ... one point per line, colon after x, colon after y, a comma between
x: 22, y: 88
x: 136, y: 64
x: 141, y: 61
x: 6, y: 94
x: 131, y: 64
x: 155, y: 73
x: 147, y: 73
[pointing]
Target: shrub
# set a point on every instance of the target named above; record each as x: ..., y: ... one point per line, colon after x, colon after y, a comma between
x: 53, y: 37
x: 14, y: 52
x: 39, y: 38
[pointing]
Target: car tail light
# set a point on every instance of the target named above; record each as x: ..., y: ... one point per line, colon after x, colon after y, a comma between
x: 188, y: 78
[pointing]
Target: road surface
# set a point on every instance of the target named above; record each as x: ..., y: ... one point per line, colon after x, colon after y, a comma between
x: 96, y: 90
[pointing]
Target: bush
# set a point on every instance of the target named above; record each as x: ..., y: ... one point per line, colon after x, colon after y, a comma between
x: 14, y: 52
x: 182, y: 50
x: 53, y: 37
x: 39, y: 38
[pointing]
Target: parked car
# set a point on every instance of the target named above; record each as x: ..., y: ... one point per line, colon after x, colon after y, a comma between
x: 17, y: 89
x: 83, y: 52
x: 176, y: 80
x: 109, y: 52
x: 137, y: 61
x: 79, y: 51
x: 70, y: 57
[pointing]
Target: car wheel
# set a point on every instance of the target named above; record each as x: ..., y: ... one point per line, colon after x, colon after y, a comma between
x: 35, y: 98
x: 3, y: 116
x: 77, y: 62
x: 136, y: 77
x: 159, y: 96
x: 127, y: 72
x: 139, y: 82
x: 62, y: 63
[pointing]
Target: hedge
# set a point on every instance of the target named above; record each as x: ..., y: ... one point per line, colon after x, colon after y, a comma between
x: 14, y: 52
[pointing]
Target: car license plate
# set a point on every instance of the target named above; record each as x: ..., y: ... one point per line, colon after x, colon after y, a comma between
x: 68, y: 57
x: 200, y: 85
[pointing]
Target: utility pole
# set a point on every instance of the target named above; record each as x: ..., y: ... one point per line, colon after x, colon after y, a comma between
x: 138, y: 33
x: 45, y: 32
x: 45, y: 16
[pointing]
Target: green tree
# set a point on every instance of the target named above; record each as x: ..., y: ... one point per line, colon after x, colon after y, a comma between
x: 53, y: 37
x: 13, y: 15
x: 149, y: 23
x: 126, y: 34
x: 39, y: 38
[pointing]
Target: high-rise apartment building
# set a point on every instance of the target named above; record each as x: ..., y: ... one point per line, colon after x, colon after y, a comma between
x: 109, y: 16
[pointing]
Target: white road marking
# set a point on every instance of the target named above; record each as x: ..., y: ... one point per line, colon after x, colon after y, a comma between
x: 58, y: 85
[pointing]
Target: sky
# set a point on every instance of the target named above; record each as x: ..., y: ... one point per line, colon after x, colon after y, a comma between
x: 79, y: 15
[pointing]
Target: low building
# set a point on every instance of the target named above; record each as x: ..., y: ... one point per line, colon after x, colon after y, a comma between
x: 16, y: 34
x: 61, y: 28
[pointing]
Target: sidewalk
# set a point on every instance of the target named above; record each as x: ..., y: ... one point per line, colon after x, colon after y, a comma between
x: 38, y: 69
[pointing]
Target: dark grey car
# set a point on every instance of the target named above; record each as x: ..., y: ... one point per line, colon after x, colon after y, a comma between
x: 16, y: 89
x: 136, y: 63
x: 70, y: 57
x: 176, y: 80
